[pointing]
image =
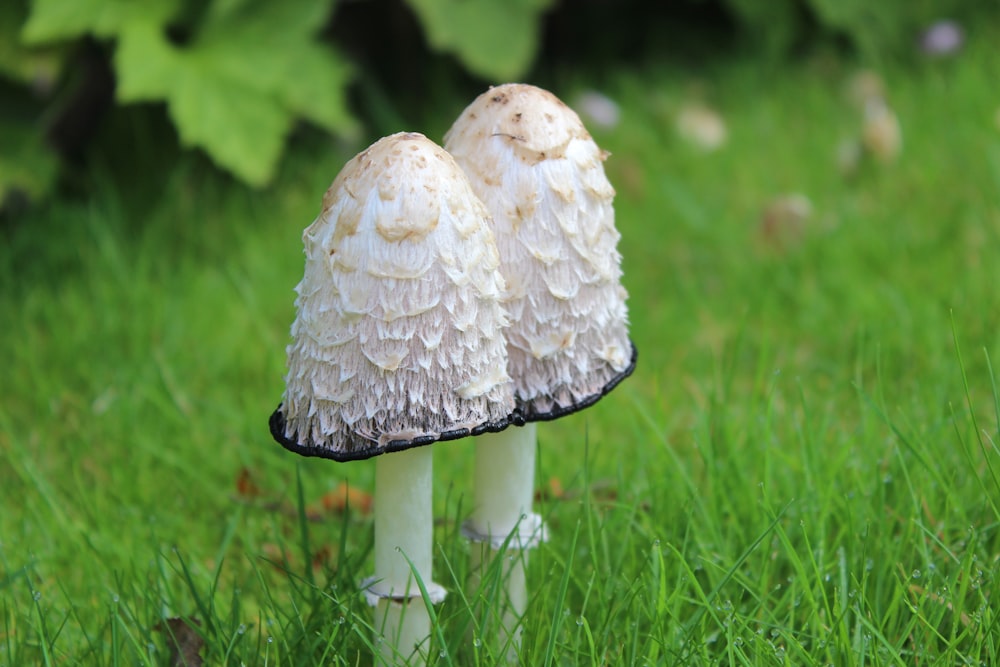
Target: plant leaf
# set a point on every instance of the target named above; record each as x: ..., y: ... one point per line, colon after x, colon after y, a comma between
x: 236, y: 89
x: 26, y: 163
x: 277, y: 53
x: 36, y: 66
x: 58, y: 19
x: 496, y: 40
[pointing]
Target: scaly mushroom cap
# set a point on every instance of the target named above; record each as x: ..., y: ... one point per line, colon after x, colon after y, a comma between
x: 398, y: 339
x: 540, y: 174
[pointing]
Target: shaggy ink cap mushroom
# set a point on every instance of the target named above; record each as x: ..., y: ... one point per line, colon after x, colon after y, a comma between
x: 398, y: 337
x: 541, y: 175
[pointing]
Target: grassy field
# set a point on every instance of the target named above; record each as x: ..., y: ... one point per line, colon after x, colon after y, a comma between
x: 804, y: 469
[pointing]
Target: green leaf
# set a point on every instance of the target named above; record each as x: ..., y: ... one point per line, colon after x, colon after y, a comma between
x: 238, y: 87
x: 493, y: 39
x: 277, y: 53
x: 26, y: 163
x: 36, y: 66
x: 68, y: 19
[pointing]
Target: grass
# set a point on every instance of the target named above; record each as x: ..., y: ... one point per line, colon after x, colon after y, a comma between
x: 803, y: 471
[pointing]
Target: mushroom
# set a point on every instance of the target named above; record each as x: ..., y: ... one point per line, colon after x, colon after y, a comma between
x: 541, y: 176
x: 397, y: 343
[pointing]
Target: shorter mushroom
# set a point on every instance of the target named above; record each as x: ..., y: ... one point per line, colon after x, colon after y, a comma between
x: 541, y: 176
x: 397, y: 343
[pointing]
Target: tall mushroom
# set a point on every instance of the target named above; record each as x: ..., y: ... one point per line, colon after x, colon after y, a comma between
x: 397, y: 343
x: 540, y: 174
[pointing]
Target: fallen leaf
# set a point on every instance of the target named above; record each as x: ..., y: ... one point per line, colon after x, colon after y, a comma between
x: 183, y: 641
x: 783, y: 221
x: 322, y: 557
x: 245, y: 486
x: 553, y: 490
x: 346, y: 496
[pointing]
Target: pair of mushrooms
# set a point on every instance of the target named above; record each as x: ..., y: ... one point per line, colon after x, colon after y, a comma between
x: 449, y: 293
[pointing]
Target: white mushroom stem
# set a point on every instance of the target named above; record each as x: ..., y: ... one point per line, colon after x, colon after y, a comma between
x: 502, y: 518
x: 504, y: 480
x: 404, y: 526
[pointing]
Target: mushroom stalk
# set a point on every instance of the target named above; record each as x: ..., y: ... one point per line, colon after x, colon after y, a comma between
x: 404, y: 526
x: 502, y: 520
x: 504, y: 481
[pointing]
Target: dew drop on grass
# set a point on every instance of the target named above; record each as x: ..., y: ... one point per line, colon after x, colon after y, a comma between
x: 915, y: 574
x: 869, y: 565
x: 114, y: 598
x: 242, y: 629
x: 477, y: 642
x: 36, y: 595
x: 442, y: 653
x: 341, y: 620
x: 270, y: 640
x: 579, y: 620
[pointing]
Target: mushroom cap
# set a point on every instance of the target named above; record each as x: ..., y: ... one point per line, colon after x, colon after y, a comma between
x: 398, y: 337
x: 537, y: 169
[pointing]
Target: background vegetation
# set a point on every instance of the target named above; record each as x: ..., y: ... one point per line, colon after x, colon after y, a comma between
x: 803, y: 470
x: 235, y: 77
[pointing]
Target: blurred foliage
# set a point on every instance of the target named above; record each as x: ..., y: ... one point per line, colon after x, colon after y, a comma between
x: 27, y: 74
x: 496, y: 40
x: 236, y: 88
x: 875, y: 30
x: 237, y: 77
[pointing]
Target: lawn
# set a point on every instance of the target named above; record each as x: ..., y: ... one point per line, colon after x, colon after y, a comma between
x: 804, y: 469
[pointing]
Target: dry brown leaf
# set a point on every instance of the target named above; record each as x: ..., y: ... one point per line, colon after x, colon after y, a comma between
x: 553, y: 490
x: 183, y: 641
x: 346, y: 496
x: 322, y: 557
x: 245, y: 486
